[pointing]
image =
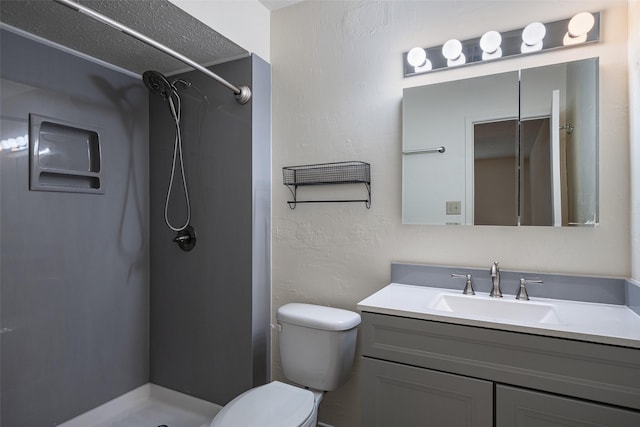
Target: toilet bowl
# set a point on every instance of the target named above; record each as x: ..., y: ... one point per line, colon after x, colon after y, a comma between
x: 272, y: 405
x: 317, y: 348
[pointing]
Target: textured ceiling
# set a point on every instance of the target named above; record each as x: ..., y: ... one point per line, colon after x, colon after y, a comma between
x: 157, y: 19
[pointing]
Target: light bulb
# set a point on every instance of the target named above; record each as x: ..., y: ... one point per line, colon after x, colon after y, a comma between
x: 490, y: 45
x: 452, y: 49
x: 417, y: 57
x: 569, y: 40
x: 525, y: 48
x: 493, y: 55
x: 533, y: 34
x: 581, y: 24
x: 423, y: 68
x: 490, y: 41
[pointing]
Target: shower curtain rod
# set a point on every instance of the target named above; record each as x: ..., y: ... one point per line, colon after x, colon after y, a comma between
x: 242, y: 93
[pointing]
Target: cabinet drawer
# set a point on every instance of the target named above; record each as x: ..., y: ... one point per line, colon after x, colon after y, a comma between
x: 516, y: 407
x: 585, y: 370
x: 400, y: 395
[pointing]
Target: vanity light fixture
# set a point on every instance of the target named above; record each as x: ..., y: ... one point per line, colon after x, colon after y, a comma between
x: 536, y: 37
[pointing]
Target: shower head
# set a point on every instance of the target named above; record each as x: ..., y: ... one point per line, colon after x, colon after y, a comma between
x: 157, y: 83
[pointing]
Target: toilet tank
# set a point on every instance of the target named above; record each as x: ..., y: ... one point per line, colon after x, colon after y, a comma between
x: 317, y: 344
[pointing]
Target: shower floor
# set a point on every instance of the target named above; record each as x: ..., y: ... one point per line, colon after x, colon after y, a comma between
x: 149, y: 406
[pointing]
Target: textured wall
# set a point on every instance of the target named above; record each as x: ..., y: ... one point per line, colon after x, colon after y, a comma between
x: 337, y: 85
x: 209, y: 306
x: 74, y: 267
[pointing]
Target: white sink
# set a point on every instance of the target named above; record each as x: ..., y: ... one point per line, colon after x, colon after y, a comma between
x: 594, y: 322
x: 496, y: 308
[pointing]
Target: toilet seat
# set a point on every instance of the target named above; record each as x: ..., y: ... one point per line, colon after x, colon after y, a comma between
x: 272, y: 405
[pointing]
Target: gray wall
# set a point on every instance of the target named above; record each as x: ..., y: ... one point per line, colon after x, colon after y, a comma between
x: 210, y: 306
x: 261, y: 227
x: 74, y: 267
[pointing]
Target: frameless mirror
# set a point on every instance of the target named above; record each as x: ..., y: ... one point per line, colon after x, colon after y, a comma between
x: 517, y: 148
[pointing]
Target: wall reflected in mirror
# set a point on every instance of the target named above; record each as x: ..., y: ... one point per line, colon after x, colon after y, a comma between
x: 536, y: 186
x: 495, y: 195
x: 521, y: 149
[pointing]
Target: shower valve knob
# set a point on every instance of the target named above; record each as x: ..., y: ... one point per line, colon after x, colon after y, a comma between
x: 186, y: 238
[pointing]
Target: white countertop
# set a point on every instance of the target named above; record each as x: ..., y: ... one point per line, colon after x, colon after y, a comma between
x: 592, y: 322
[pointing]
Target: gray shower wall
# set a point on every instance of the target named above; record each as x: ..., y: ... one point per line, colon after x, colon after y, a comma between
x: 74, y: 268
x: 210, y: 308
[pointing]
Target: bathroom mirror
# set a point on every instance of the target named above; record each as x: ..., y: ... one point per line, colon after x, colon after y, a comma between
x: 516, y: 148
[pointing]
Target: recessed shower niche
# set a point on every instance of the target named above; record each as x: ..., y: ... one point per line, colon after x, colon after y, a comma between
x: 64, y: 156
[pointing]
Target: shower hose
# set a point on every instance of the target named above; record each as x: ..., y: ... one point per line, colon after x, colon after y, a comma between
x: 177, y: 154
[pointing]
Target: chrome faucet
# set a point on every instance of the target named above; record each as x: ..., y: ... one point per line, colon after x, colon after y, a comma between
x: 496, y: 292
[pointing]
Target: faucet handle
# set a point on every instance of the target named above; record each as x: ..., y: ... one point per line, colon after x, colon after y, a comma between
x: 468, y: 286
x: 522, y: 290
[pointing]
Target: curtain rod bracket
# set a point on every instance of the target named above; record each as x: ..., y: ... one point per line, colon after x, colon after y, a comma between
x: 245, y: 94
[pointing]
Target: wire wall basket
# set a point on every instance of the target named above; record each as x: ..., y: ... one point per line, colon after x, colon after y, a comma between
x: 353, y: 172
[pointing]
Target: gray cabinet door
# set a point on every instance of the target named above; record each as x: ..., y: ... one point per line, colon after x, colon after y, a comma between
x: 516, y: 407
x: 399, y: 395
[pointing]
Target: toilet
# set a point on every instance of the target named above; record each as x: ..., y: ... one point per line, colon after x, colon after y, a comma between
x: 317, y: 348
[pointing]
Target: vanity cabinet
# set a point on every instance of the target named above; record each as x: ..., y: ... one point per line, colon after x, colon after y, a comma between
x: 516, y: 407
x: 403, y: 395
x: 427, y: 373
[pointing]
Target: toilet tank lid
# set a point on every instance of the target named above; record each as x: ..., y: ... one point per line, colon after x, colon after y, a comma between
x: 318, y: 317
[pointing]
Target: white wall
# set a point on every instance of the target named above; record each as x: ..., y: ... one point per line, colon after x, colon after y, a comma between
x: 634, y: 107
x: 337, y: 93
x: 244, y: 22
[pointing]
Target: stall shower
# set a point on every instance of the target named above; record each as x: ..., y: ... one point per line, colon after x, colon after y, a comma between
x: 96, y: 299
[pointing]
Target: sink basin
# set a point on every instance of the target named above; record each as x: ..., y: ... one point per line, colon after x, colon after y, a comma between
x: 586, y: 321
x: 496, y: 308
